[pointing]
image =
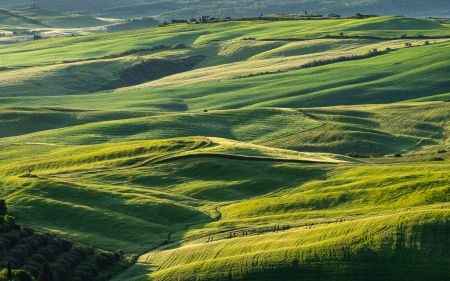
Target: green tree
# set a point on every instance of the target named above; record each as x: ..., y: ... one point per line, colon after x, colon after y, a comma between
x: 3, y: 207
x: 9, y: 272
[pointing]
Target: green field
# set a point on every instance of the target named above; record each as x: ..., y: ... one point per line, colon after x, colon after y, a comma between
x: 242, y: 150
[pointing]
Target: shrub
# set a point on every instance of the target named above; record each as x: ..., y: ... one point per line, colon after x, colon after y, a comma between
x: 119, y: 255
x: 17, y: 275
x: 10, y: 221
x: 437, y: 159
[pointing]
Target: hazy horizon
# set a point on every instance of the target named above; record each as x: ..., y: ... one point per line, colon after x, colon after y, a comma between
x: 173, y: 9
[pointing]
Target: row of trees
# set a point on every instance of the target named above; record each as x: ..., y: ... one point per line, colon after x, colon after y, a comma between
x: 274, y: 17
x: 27, y: 255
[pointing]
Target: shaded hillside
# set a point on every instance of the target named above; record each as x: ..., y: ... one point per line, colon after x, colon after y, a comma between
x: 359, y: 130
x: 18, y: 121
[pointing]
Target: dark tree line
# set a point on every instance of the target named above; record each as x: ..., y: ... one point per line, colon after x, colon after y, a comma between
x: 28, y: 255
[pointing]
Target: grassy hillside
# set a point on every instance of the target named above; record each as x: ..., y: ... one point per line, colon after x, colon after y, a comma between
x: 241, y: 150
x: 124, y: 208
x: 18, y: 121
x: 10, y: 19
x: 333, y: 251
x: 58, y: 20
x: 363, y: 130
x: 392, y: 77
x: 232, y: 65
x: 57, y: 50
x: 36, y: 17
x: 142, y: 191
x: 93, y: 76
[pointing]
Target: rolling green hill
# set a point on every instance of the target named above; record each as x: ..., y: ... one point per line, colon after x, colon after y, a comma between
x: 18, y: 121
x: 218, y: 198
x: 95, y: 46
x: 233, y: 72
x: 391, y: 77
x: 363, y: 130
x: 131, y: 209
x: 33, y: 16
x: 241, y: 150
x: 50, y: 18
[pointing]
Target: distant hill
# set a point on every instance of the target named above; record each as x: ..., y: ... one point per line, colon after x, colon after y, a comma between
x: 35, y: 16
x: 184, y: 9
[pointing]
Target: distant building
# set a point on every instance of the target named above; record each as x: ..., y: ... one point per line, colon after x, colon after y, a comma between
x: 204, y: 19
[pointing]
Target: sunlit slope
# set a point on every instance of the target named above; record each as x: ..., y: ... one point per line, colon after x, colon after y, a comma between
x: 62, y: 187
x: 346, y: 193
x: 225, y: 151
x: 362, y: 130
x: 57, y: 50
x: 177, y: 65
x: 144, y: 190
x: 342, y: 251
x: 240, y: 59
x: 113, y: 217
x: 283, y: 212
x: 96, y: 75
x: 392, y: 77
x: 341, y: 223
x: 49, y: 159
x: 89, y: 64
